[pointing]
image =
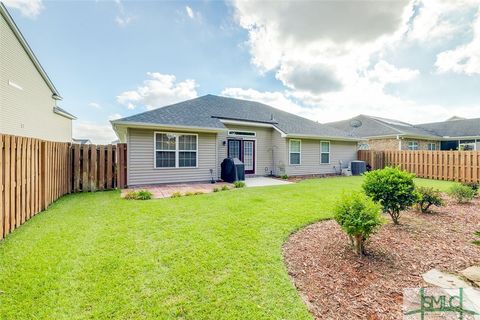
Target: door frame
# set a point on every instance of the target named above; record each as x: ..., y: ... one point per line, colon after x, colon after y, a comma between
x: 241, y: 140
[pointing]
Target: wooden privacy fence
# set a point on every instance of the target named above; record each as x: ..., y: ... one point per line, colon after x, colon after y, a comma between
x: 34, y: 173
x: 463, y: 166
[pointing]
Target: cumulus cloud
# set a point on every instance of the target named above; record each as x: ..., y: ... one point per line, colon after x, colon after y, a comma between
x: 384, y: 72
x: 95, y: 105
x: 157, y: 91
x: 99, y: 133
x: 28, y: 8
x: 465, y: 58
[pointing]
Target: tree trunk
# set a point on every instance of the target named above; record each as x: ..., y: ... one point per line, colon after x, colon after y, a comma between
x: 359, y: 241
x: 395, y: 215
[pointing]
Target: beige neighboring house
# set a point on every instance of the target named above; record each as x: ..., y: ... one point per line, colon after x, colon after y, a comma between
x: 28, y: 98
x: 455, y: 133
x: 188, y: 141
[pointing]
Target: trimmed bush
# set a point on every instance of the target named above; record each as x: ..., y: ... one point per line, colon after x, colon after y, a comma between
x: 216, y: 189
x: 176, y: 194
x: 225, y: 187
x: 198, y: 193
x: 359, y: 217
x: 189, y: 193
x: 284, y: 177
x: 428, y: 197
x: 393, y: 188
x: 138, y: 195
x: 239, y: 184
x: 461, y: 193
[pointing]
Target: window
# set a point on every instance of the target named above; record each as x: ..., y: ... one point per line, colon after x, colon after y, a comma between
x: 324, y: 152
x: 412, y: 145
x: 295, y: 150
x: 432, y: 146
x: 242, y: 133
x: 466, y: 145
x: 175, y: 150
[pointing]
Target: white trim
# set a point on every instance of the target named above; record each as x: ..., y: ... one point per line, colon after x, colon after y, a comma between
x: 317, y: 137
x: 177, y: 150
x: 290, y: 152
x: 144, y: 125
x: 256, y: 154
x: 434, y: 146
x: 329, y: 153
x: 412, y: 141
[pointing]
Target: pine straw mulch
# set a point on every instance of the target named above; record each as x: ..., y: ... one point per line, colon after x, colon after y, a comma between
x: 337, y: 284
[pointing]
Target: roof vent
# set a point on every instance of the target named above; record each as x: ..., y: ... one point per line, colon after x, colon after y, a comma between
x: 272, y: 118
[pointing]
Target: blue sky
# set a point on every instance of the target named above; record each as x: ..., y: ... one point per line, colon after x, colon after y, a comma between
x: 419, y: 62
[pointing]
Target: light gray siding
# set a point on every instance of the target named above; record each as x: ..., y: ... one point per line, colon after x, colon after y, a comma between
x: 280, y: 153
x: 141, y: 169
x: 310, y: 157
x: 26, y: 103
x: 263, y: 145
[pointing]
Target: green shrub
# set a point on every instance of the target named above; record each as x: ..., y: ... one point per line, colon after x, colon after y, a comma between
x: 144, y: 195
x: 284, y: 177
x: 359, y: 217
x: 473, y: 185
x: 216, y: 189
x: 198, y: 193
x: 138, y: 195
x: 461, y: 193
x: 477, y: 242
x: 176, y: 194
x: 428, y: 197
x: 225, y: 187
x: 189, y: 193
x: 393, y: 188
x: 239, y: 184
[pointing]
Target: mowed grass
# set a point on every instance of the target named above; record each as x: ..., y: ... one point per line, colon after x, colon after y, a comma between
x: 213, y: 256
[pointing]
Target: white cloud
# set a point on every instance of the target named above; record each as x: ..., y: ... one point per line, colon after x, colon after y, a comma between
x: 157, y: 91
x: 114, y: 116
x: 28, y: 8
x: 384, y: 72
x: 94, y: 105
x: 123, y: 18
x: 190, y: 12
x: 465, y: 58
x: 97, y: 133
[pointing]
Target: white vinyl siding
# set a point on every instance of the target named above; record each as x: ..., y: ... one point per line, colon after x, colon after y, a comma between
x: 324, y: 152
x: 141, y: 160
x: 26, y: 103
x: 295, y: 152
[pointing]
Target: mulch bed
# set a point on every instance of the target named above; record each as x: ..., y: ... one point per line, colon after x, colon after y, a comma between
x: 337, y: 284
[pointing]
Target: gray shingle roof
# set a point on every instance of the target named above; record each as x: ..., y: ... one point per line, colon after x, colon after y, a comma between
x: 206, y: 112
x: 375, y: 126
x: 455, y: 128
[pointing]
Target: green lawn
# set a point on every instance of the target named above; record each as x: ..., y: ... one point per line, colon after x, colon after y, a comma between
x: 202, y: 257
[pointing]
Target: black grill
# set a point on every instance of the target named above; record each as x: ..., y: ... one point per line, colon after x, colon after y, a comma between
x: 232, y: 170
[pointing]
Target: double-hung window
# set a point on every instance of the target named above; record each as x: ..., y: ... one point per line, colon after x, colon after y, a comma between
x: 175, y: 150
x: 324, y: 152
x: 295, y: 149
x: 432, y: 146
x: 412, y: 145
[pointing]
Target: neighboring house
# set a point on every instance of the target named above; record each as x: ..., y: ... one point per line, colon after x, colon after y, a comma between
x: 28, y: 98
x: 386, y: 134
x: 81, y: 141
x: 188, y: 141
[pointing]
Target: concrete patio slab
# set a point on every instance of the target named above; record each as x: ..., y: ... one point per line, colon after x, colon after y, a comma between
x: 264, y: 181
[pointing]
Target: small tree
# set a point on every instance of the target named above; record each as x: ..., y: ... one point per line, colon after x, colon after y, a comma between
x: 428, y: 197
x: 359, y: 217
x: 392, y: 188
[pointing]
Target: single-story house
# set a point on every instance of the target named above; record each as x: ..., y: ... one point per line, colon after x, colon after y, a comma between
x: 188, y: 141
x: 28, y: 98
x: 387, y: 134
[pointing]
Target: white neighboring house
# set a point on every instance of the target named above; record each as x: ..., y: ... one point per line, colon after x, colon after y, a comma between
x: 28, y: 98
